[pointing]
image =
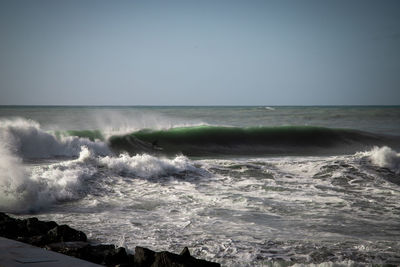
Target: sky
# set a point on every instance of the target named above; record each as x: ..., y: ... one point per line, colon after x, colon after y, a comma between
x: 250, y: 52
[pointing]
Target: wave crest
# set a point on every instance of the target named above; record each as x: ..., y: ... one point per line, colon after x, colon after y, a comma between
x: 25, y: 138
x: 25, y: 191
x: 385, y: 157
x: 147, y: 166
x: 22, y: 190
x: 217, y: 140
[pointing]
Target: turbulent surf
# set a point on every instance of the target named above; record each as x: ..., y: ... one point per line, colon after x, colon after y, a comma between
x: 243, y: 186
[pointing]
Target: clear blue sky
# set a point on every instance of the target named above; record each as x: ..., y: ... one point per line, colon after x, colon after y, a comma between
x: 199, y: 52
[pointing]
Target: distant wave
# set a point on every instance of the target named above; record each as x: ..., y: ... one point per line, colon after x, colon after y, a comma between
x: 215, y: 140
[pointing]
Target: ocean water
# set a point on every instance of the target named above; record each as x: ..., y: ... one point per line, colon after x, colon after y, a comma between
x: 243, y: 186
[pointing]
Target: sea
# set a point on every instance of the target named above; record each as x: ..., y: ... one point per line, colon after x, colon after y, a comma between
x: 239, y: 185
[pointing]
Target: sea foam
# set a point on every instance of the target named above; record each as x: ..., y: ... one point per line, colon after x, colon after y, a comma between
x: 147, y: 166
x: 16, y: 189
x: 385, y: 157
x: 26, y: 139
x: 23, y: 190
x: 26, y: 190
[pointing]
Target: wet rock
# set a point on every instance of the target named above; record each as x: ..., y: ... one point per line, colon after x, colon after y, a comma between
x: 168, y: 259
x: 9, y: 227
x: 3, y: 216
x: 30, y: 230
x: 66, y: 240
x: 76, y: 249
x: 35, y: 227
x: 147, y: 258
x: 185, y: 252
x: 143, y: 257
x: 106, y: 254
x: 64, y: 233
x: 101, y: 254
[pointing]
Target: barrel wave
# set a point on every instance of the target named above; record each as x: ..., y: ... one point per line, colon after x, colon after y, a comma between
x: 218, y: 140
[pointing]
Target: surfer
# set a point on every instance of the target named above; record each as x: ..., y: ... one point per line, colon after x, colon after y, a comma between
x: 155, y: 145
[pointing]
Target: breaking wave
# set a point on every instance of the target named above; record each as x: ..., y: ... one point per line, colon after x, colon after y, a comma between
x: 27, y: 188
x: 384, y: 157
x: 25, y: 138
x: 147, y: 166
x: 215, y: 140
x: 22, y: 190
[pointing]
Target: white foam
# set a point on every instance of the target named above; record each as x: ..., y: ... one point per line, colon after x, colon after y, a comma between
x: 147, y: 166
x: 383, y: 157
x: 327, y: 264
x: 16, y: 189
x: 25, y: 138
x: 24, y: 191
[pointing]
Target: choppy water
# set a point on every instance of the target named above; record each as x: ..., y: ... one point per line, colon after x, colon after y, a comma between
x: 327, y: 193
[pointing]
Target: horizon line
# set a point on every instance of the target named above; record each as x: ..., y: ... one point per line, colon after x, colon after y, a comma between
x: 261, y: 105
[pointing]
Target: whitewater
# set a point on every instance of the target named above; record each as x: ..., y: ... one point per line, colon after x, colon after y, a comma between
x: 242, y: 186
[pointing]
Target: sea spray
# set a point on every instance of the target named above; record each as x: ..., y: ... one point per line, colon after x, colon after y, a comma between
x: 26, y: 191
x: 125, y: 121
x: 26, y: 139
x: 385, y: 157
x: 17, y: 190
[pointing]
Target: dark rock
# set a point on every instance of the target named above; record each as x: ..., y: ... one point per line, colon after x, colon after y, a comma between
x: 66, y: 240
x: 73, y: 245
x: 35, y: 227
x: 4, y: 217
x: 76, y: 249
x: 147, y: 258
x: 185, y: 252
x: 101, y: 254
x: 98, y: 253
x: 64, y: 233
x: 9, y: 228
x: 118, y: 256
x: 143, y: 257
x: 168, y: 259
x: 29, y: 230
x: 106, y: 254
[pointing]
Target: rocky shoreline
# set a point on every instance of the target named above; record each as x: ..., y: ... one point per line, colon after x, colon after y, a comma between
x: 66, y: 240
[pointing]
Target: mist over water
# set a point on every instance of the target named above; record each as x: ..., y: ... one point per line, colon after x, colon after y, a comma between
x: 336, y: 207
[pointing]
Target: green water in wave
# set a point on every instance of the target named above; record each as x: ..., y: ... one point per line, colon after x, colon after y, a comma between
x: 214, y: 140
